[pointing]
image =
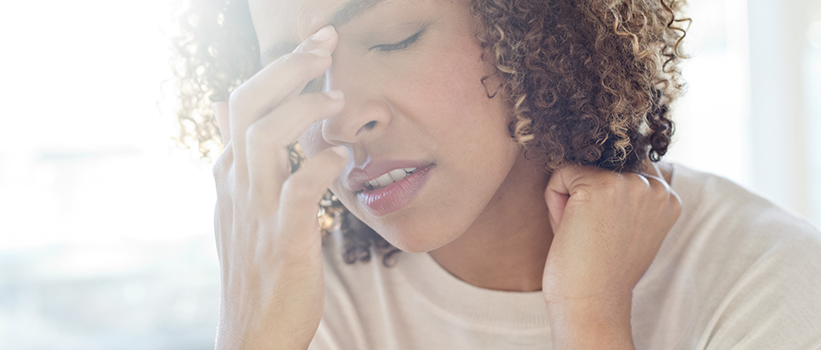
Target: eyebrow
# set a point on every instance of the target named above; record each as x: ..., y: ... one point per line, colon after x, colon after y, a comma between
x: 347, y: 13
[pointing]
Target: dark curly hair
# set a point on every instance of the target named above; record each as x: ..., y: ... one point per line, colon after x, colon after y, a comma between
x: 588, y: 82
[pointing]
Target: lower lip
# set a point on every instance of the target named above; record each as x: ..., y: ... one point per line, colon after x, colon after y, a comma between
x: 397, y: 195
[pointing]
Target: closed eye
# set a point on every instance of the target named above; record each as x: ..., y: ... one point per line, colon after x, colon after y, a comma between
x: 400, y: 45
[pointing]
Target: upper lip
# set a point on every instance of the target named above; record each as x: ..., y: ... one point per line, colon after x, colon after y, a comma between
x: 359, y: 175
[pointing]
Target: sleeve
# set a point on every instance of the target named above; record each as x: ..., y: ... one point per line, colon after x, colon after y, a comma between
x: 776, y: 303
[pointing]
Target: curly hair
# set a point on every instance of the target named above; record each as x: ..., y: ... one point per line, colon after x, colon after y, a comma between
x: 588, y: 81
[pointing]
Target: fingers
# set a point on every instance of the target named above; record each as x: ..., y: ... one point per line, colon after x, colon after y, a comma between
x: 268, y: 138
x: 303, y: 190
x: 221, y: 114
x: 582, y: 183
x: 285, y: 77
x: 650, y: 170
x: 556, y: 197
x: 651, y: 174
x: 276, y: 83
x: 558, y: 190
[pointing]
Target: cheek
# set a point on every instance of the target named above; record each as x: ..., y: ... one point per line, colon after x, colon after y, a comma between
x: 455, y: 103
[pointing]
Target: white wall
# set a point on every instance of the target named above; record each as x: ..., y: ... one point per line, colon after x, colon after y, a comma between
x: 752, y: 111
x: 106, y: 231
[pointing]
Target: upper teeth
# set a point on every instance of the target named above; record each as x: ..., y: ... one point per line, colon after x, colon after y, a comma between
x: 389, y: 178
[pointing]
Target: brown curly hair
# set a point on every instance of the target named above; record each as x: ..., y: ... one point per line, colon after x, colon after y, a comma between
x: 588, y: 82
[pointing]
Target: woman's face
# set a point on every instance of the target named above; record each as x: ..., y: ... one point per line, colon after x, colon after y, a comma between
x: 411, y: 73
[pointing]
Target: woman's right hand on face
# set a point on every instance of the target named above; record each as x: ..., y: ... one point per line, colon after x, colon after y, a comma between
x: 267, y: 234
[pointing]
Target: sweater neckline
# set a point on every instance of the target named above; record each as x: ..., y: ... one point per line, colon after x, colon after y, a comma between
x: 463, y: 302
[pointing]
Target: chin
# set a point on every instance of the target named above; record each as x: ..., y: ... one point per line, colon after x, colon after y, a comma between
x: 416, y: 242
x: 416, y: 235
x: 428, y: 223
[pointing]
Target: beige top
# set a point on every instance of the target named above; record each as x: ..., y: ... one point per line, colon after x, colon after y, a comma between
x: 735, y: 272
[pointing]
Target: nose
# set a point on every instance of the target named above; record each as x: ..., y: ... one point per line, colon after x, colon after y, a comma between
x: 362, y: 118
x: 366, y: 113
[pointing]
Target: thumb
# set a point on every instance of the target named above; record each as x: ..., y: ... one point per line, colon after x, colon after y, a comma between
x: 558, y: 191
x: 221, y: 114
x: 556, y: 196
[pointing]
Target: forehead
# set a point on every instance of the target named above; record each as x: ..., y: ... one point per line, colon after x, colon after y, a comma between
x: 295, y: 20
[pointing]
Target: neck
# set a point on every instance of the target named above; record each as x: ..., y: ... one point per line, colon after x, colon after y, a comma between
x: 506, y: 247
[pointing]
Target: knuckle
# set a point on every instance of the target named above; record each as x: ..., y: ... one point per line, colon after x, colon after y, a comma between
x: 302, y: 63
x: 217, y: 171
x: 298, y: 189
x: 258, y: 136
x: 612, y: 179
x: 611, y: 183
x: 648, y: 183
x: 221, y: 165
x: 236, y: 96
x: 662, y: 196
x: 676, y: 201
x: 659, y: 186
x: 254, y: 135
x: 639, y: 181
x: 284, y: 59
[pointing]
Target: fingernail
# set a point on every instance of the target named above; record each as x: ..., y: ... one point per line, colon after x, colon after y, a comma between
x: 335, y: 94
x: 340, y: 150
x: 321, y: 52
x: 323, y: 34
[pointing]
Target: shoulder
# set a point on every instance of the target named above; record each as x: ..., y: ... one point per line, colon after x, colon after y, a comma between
x: 729, y: 221
x: 711, y: 202
x: 756, y: 266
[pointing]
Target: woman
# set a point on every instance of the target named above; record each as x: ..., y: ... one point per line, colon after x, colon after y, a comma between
x: 509, y: 149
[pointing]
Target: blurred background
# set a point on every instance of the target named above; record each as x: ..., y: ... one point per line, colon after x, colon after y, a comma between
x: 106, y: 227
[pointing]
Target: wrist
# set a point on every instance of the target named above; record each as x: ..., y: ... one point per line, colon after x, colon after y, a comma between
x: 591, y: 323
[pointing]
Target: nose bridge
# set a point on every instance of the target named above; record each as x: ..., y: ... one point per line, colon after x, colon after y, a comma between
x: 366, y: 112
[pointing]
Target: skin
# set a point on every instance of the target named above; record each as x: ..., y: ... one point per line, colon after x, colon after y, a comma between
x: 481, y: 186
x: 583, y: 236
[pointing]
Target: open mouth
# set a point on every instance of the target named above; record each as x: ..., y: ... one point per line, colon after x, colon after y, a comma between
x: 393, y: 190
x: 388, y: 178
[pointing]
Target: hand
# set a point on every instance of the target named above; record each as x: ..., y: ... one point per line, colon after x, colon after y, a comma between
x: 267, y: 235
x: 607, y: 228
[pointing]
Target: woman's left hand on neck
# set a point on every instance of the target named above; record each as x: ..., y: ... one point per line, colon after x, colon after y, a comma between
x: 607, y: 229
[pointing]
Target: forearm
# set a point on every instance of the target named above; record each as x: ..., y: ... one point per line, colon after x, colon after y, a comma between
x: 582, y: 324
